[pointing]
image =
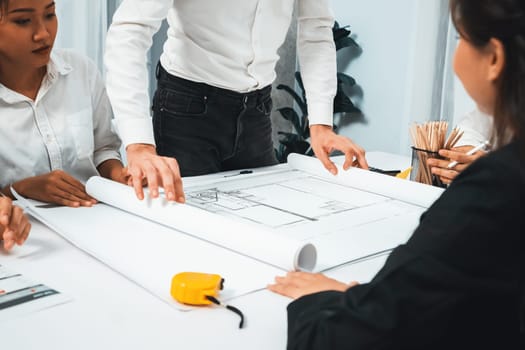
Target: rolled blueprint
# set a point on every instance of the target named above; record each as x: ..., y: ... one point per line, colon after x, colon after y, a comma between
x: 403, y: 190
x: 252, y: 241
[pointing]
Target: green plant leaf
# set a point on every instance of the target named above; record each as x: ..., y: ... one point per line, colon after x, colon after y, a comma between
x: 299, y: 80
x: 300, y: 102
x: 291, y: 115
x: 340, y: 33
x: 277, y: 154
x: 343, y: 104
x: 291, y: 143
x: 298, y: 142
x: 345, y: 80
x: 288, y: 137
x: 280, y: 153
x: 287, y: 134
x: 300, y: 147
x: 345, y: 42
x: 306, y: 128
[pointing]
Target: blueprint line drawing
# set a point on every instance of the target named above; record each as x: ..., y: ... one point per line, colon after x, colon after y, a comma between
x: 293, y: 203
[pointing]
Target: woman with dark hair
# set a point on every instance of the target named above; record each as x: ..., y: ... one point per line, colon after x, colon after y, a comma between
x: 56, y: 103
x: 458, y: 283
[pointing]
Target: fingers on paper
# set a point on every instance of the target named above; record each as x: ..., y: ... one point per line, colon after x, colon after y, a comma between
x: 324, y: 156
x: 77, y: 189
x: 354, y: 155
x: 136, y: 180
x: 296, y: 284
x: 20, y: 225
x: 144, y: 170
x: 291, y: 285
x: 9, y: 240
x: 172, y: 181
x: 151, y: 170
x: 60, y: 188
x: 157, y: 172
x: 353, y: 284
x: 5, y: 210
x: 16, y: 229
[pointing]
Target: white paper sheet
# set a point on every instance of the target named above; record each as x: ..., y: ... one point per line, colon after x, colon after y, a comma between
x: 389, y: 186
x: 150, y: 254
x: 20, y: 296
x: 249, y: 228
x: 346, y: 217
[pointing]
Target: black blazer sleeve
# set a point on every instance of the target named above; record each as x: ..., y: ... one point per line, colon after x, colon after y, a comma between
x: 457, y: 283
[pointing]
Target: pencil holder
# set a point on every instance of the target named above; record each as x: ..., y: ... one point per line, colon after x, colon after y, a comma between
x: 421, y: 172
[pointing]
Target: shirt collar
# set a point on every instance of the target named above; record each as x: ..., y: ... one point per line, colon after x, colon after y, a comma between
x: 56, y: 67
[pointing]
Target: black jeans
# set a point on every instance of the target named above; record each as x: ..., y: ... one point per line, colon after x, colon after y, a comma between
x: 209, y: 129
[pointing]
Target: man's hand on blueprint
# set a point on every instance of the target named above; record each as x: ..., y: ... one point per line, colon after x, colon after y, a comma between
x: 325, y: 141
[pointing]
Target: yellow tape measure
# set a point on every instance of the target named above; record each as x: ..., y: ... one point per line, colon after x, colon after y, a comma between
x: 192, y: 288
x: 198, y: 289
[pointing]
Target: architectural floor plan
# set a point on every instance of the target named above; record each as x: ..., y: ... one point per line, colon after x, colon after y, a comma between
x: 297, y: 204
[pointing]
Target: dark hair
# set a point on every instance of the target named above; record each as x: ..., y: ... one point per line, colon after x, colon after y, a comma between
x: 479, y: 21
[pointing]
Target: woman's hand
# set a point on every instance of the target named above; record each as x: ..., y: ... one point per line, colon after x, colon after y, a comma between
x: 114, y: 170
x: 14, y: 225
x: 297, y: 284
x: 55, y: 187
x: 459, y: 154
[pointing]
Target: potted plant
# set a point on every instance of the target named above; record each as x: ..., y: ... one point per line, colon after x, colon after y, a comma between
x: 298, y: 140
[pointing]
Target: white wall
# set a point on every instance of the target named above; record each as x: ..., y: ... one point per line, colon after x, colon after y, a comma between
x: 82, y: 27
x: 463, y: 104
x: 395, y: 69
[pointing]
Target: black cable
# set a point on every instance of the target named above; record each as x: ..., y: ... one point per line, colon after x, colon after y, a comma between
x: 229, y: 307
x: 238, y: 312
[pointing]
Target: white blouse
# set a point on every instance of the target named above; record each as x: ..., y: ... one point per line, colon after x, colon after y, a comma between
x: 68, y: 126
x: 230, y: 44
x: 477, y: 128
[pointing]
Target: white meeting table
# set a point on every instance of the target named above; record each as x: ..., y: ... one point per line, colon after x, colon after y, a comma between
x: 108, y: 311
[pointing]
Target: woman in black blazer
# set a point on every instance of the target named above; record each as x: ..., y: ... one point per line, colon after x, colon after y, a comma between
x: 458, y: 283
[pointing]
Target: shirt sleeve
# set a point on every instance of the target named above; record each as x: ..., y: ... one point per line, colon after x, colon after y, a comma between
x: 456, y: 278
x: 317, y: 58
x: 128, y: 40
x: 476, y: 127
x: 106, y: 142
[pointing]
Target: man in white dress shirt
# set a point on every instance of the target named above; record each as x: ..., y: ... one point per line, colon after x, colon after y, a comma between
x: 212, y: 104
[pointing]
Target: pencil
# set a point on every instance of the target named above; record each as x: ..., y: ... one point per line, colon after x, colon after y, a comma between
x: 469, y: 153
